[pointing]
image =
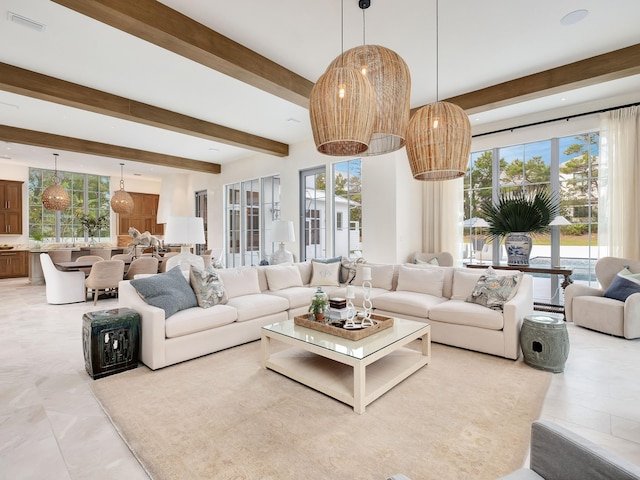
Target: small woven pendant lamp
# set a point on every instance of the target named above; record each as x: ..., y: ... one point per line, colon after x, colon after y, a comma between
x: 121, y: 201
x: 55, y: 197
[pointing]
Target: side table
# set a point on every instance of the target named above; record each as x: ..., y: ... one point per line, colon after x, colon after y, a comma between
x: 110, y: 341
x: 545, y: 342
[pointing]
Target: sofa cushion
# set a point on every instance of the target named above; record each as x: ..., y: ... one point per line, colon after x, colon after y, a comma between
x: 305, y: 272
x: 407, y: 303
x: 207, y: 286
x: 258, y: 305
x: 196, y: 319
x: 381, y: 275
x: 465, y: 313
x: 296, y: 296
x: 599, y: 313
x: 421, y: 280
x: 240, y: 281
x: 279, y: 277
x: 358, y: 291
x: 169, y: 291
x: 494, y: 291
x: 464, y: 281
x: 433, y: 261
x: 624, y: 284
x: 325, y: 274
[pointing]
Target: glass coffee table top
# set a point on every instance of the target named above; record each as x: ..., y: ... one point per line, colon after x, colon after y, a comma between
x: 357, y: 349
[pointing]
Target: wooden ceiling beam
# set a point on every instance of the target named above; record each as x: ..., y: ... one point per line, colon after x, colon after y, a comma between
x: 160, y: 25
x: 591, y: 71
x: 26, y: 82
x: 69, y: 144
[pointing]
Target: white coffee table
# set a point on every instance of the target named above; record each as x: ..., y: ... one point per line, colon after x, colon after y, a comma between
x: 353, y: 372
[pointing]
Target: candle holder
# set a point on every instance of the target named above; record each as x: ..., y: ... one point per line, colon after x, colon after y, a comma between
x: 367, y: 305
x: 351, y: 310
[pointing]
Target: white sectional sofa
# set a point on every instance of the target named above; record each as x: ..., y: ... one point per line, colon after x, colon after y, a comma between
x: 259, y: 296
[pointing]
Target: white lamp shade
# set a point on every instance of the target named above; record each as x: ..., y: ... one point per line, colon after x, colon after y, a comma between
x: 559, y: 220
x: 480, y: 223
x: 184, y: 230
x: 282, y: 231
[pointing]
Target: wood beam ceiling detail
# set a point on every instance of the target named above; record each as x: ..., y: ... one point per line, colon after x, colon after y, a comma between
x: 25, y: 82
x: 59, y: 142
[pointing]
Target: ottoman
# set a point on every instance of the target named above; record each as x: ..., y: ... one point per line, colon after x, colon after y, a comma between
x: 545, y: 342
x: 110, y: 340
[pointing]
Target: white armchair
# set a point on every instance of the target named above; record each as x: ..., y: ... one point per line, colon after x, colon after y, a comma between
x: 588, y: 307
x: 61, y: 287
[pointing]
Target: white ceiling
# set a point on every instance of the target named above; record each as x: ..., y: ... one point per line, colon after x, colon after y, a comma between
x: 479, y: 44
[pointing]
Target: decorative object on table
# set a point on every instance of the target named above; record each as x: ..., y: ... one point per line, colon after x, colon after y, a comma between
x: 438, y: 137
x: 367, y: 305
x: 93, y: 225
x: 338, y: 308
x: 110, y: 341
x: 380, y: 322
x: 55, y: 197
x: 319, y: 305
x: 559, y: 221
x: 185, y: 231
x: 351, y: 311
x: 545, y: 342
x: 121, y: 201
x: 6, y: 247
x: 282, y: 231
x: 516, y: 216
x: 144, y: 240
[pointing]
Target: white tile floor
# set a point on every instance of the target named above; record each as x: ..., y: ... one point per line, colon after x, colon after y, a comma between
x: 52, y: 427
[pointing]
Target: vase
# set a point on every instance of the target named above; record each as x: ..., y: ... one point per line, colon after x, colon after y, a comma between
x: 518, y: 246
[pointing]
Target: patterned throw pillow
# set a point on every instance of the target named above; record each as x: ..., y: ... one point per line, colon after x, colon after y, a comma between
x: 169, y: 291
x: 325, y: 274
x: 494, y: 291
x: 208, y: 286
x: 624, y: 284
x: 433, y: 261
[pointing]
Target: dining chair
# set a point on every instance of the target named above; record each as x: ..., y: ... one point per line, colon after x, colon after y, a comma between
x: 60, y: 255
x: 104, y: 253
x: 163, y: 261
x: 142, y: 265
x: 88, y: 258
x: 61, y: 287
x: 104, y: 275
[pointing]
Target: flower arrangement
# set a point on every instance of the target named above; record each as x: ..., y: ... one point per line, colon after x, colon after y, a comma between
x: 93, y: 224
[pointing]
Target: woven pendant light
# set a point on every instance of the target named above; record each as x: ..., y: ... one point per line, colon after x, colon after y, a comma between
x: 342, y: 109
x: 55, y: 197
x: 121, y: 201
x: 439, y: 137
x: 439, y: 142
x: 391, y: 81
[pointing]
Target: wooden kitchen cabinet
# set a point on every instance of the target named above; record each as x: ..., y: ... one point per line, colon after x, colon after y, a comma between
x: 143, y: 217
x: 10, y: 207
x: 14, y: 263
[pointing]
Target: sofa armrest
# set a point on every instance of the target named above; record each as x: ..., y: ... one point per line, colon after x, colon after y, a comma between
x: 577, y: 290
x: 513, y: 313
x: 557, y: 453
x: 632, y: 316
x: 152, y: 325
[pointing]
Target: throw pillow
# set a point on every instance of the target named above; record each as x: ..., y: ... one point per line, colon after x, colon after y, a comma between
x: 341, y: 278
x: 207, y: 286
x: 624, y: 284
x: 325, y: 274
x: 381, y: 275
x: 169, y: 291
x: 421, y: 280
x: 494, y: 291
x: 433, y: 261
x: 240, y: 281
x: 279, y: 277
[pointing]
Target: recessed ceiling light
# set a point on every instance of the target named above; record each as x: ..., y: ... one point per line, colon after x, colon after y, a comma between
x: 293, y: 120
x: 26, y: 22
x: 214, y: 149
x: 574, y: 17
x: 5, y: 104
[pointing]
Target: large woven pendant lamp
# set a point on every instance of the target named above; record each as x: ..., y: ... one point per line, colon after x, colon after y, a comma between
x: 439, y: 138
x: 342, y: 110
x: 55, y: 197
x: 121, y: 201
x: 391, y: 80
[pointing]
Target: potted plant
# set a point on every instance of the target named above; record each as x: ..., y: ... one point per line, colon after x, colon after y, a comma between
x: 93, y: 224
x: 516, y: 216
x: 319, y: 305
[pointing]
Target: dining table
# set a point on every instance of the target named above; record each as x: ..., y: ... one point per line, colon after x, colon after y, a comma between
x: 75, y: 265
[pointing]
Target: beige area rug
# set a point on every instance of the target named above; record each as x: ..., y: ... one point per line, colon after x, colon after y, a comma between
x: 466, y: 415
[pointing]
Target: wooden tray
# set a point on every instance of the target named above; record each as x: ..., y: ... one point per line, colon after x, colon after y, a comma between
x: 380, y: 323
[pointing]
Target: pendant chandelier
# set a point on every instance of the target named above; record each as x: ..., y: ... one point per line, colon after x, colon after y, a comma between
x: 439, y: 138
x: 342, y: 109
x: 55, y: 197
x: 121, y: 201
x: 391, y: 81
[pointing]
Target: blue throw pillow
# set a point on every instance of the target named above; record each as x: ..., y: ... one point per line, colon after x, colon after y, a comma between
x: 169, y: 291
x: 624, y: 284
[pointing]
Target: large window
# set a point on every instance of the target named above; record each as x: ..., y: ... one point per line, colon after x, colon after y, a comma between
x: 90, y: 194
x: 568, y: 166
x: 347, y: 203
x: 251, y: 206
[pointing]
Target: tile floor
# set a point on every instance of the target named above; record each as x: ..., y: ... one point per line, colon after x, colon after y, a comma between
x: 52, y: 427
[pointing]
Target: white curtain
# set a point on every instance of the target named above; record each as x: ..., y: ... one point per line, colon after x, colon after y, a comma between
x: 619, y: 182
x: 442, y: 217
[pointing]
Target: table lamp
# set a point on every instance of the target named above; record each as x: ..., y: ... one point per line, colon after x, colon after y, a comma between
x: 185, y: 231
x: 282, y: 231
x: 559, y: 221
